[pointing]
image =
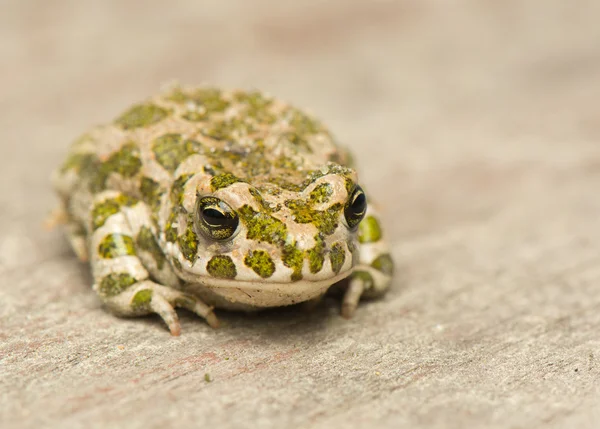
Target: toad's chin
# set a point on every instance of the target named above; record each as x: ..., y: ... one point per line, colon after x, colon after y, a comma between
x: 252, y: 295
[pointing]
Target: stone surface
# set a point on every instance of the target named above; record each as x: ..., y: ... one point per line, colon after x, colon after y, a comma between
x: 475, y: 123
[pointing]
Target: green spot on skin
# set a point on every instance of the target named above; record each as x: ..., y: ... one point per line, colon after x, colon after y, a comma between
x: 304, y: 123
x: 302, y: 211
x: 253, y: 98
x: 115, y: 283
x: 221, y: 267
x: 125, y: 162
x: 177, y: 190
x: 353, y: 248
x: 256, y: 162
x: 321, y: 194
x: 216, y: 155
x: 264, y: 204
x: 208, y: 100
x: 207, y: 377
x: 384, y: 263
x: 75, y: 161
x: 222, y: 181
x: 115, y: 245
x: 365, y: 277
x: 315, y: 255
x: 369, y: 230
x: 230, y: 129
x: 171, y: 229
x: 178, y: 95
x: 125, y: 200
x: 298, y: 140
x: 147, y: 242
x: 294, y: 258
x: 141, y: 115
x: 185, y: 301
x: 349, y: 185
x: 195, y: 116
x: 286, y: 163
x: 337, y: 256
x: 257, y: 106
x: 188, y: 243
x: 263, y: 227
x: 175, y: 262
x: 303, y: 127
x: 261, y: 263
x: 325, y: 220
x: 87, y: 165
x: 170, y: 150
x: 105, y: 209
x: 151, y: 192
x: 141, y: 300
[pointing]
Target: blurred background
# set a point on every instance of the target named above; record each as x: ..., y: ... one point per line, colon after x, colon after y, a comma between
x: 474, y: 123
x: 410, y: 85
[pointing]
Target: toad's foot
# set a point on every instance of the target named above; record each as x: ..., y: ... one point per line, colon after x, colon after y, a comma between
x: 373, y: 274
x: 147, y: 297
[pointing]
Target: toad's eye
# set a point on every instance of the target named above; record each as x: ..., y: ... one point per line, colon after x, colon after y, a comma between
x: 215, y: 219
x: 356, y: 207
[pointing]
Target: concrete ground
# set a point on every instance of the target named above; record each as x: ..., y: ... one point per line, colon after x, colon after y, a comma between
x: 477, y: 125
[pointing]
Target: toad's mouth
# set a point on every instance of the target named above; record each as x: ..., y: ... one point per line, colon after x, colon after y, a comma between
x: 256, y: 294
x: 287, y: 288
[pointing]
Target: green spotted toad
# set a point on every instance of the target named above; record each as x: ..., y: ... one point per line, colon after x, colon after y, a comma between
x: 202, y: 198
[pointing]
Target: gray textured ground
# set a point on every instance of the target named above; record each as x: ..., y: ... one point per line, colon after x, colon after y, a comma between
x: 476, y: 123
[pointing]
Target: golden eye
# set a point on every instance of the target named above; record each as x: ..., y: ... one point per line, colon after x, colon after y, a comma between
x: 356, y: 207
x: 215, y: 219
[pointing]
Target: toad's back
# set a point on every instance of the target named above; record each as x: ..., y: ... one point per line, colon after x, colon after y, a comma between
x: 247, y: 135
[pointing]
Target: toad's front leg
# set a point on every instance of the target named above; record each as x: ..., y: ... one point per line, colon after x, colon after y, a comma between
x: 373, y: 274
x: 128, y: 265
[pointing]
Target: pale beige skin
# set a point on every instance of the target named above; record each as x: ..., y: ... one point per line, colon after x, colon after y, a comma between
x: 140, y: 195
